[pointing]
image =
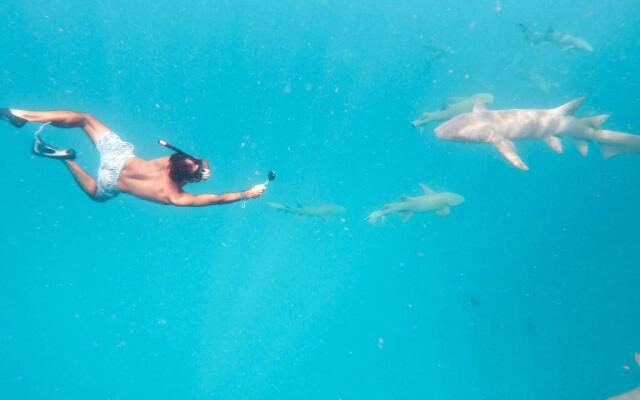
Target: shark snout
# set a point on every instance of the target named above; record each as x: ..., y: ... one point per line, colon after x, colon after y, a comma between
x: 456, y: 199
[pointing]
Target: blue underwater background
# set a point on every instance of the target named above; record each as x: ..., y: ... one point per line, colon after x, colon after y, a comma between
x: 528, y: 290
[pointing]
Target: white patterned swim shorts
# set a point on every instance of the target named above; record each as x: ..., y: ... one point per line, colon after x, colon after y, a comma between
x: 114, y: 153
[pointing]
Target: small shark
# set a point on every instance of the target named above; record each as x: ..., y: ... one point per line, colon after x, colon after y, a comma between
x: 551, y: 36
x: 434, y: 52
x: 440, y: 202
x: 452, y: 107
x: 323, y: 210
x: 502, y: 127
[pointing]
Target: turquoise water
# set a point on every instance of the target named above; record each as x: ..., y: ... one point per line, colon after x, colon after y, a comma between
x: 528, y: 290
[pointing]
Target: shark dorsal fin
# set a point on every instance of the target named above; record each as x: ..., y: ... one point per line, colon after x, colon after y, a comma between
x: 426, y: 189
x: 570, y: 107
x: 596, y: 121
x: 478, y: 105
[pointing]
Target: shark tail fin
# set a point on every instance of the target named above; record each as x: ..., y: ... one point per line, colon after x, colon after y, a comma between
x: 596, y: 121
x: 375, y: 216
x: 424, y: 118
x: 276, y: 206
x: 570, y: 107
x: 609, y: 150
x: 613, y: 143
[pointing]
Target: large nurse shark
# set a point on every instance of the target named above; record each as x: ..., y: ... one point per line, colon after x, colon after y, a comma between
x: 502, y: 127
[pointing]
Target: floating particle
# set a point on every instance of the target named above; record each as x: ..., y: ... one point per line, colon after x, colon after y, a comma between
x: 380, y: 343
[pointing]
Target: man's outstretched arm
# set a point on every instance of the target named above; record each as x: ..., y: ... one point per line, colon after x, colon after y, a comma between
x: 185, y: 199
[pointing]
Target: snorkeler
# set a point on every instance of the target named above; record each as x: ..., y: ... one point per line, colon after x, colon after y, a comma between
x: 160, y: 180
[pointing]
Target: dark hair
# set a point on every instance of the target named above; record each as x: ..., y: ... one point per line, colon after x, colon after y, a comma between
x: 181, y: 168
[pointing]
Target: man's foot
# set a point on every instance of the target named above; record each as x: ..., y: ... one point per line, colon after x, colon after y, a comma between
x: 18, y: 122
x: 41, y: 149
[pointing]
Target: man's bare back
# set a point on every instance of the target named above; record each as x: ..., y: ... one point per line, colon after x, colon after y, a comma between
x: 160, y: 180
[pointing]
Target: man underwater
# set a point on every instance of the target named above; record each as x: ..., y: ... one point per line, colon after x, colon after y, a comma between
x: 160, y: 180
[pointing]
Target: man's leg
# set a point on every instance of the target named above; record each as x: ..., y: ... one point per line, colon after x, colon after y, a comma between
x: 66, y: 119
x: 84, y: 180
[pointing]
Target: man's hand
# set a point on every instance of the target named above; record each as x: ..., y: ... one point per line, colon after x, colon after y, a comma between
x: 188, y: 200
x: 255, y: 191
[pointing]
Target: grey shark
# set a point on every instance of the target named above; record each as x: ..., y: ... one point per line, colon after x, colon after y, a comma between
x: 321, y: 210
x: 502, y: 127
x: 452, y: 107
x: 566, y: 41
x: 440, y: 202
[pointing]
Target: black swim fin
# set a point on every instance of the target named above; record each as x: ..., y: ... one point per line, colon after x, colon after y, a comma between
x: 16, y: 121
x: 41, y: 149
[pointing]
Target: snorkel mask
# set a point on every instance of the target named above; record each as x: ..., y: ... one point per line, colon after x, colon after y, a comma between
x: 201, y: 173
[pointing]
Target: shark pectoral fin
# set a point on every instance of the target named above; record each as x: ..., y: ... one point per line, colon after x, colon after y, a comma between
x: 443, y: 212
x: 554, y: 143
x: 583, y: 147
x: 405, y: 215
x: 478, y: 105
x: 508, y: 150
x: 426, y: 189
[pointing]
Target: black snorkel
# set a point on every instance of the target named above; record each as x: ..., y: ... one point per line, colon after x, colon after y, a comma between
x: 201, y: 170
